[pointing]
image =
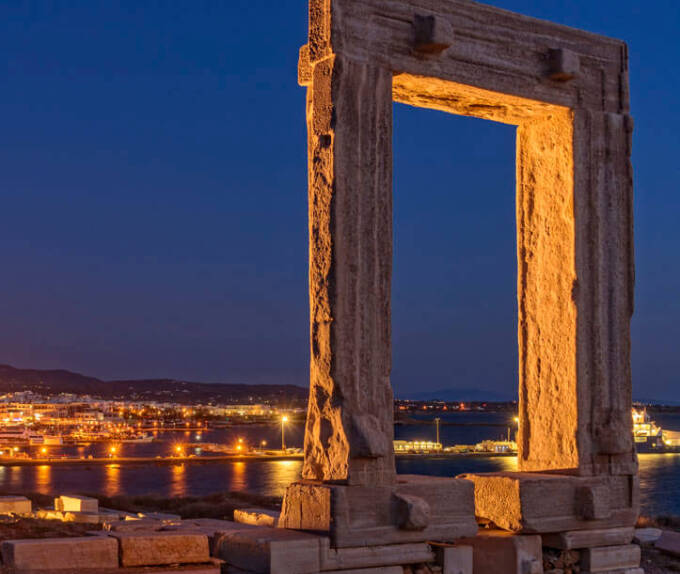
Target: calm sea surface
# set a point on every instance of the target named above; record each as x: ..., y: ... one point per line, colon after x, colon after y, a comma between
x: 659, y: 473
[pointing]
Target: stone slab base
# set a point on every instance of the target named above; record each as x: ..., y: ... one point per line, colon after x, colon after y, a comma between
x: 264, y: 550
x: 608, y: 558
x: 334, y: 559
x: 414, y: 509
x: 589, y: 538
x: 546, y: 503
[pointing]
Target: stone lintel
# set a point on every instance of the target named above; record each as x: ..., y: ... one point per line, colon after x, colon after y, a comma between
x: 484, y: 46
x: 547, y: 503
x: 365, y: 515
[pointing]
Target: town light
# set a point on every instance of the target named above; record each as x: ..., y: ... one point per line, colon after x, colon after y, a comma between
x: 284, y: 420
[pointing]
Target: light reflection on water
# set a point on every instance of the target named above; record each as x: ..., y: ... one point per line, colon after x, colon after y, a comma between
x: 112, y: 484
x: 659, y: 477
x: 659, y: 473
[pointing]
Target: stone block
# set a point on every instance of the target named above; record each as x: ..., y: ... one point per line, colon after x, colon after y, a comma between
x: 161, y: 548
x: 563, y: 64
x: 379, y: 570
x: 454, y: 559
x: 143, y: 525
x: 162, y: 516
x: 516, y: 501
x: 332, y: 559
x: 432, y: 34
x: 589, y: 538
x: 669, y: 542
x: 265, y: 550
x: 374, y: 515
x: 503, y: 552
x: 647, y: 535
x: 83, y: 517
x: 15, y: 505
x: 257, y: 516
x: 82, y: 553
x: 606, y: 558
x: 76, y: 503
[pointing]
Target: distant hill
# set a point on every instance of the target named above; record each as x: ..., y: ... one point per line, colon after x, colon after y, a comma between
x: 163, y: 390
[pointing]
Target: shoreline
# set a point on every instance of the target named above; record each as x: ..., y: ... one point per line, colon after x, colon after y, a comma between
x: 8, y: 462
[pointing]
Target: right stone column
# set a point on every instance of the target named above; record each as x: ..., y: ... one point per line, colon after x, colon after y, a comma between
x: 575, y: 292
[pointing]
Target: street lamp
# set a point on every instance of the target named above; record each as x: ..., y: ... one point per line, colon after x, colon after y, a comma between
x: 284, y: 420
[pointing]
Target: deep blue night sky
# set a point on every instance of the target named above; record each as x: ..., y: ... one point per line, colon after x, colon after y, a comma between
x: 153, y: 186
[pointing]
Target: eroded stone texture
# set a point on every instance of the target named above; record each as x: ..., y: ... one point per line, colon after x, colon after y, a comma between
x: 350, y: 422
x: 375, y: 515
x: 550, y: 503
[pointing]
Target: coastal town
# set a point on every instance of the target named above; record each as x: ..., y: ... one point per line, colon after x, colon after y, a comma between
x: 36, y: 428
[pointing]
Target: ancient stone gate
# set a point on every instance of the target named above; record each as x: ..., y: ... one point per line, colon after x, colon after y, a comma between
x: 567, y: 93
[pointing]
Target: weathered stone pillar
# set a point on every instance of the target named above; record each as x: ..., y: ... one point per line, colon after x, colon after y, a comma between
x: 350, y: 417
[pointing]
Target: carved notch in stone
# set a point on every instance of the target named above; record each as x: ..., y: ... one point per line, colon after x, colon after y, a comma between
x: 592, y: 502
x: 432, y: 34
x: 563, y: 65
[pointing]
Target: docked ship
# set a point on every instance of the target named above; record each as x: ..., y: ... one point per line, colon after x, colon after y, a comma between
x: 650, y: 437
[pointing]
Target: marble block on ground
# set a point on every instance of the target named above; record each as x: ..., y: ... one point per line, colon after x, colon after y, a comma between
x: 161, y: 548
x: 15, y: 505
x: 80, y: 553
x: 76, y: 503
x: 647, y: 535
x: 257, y: 516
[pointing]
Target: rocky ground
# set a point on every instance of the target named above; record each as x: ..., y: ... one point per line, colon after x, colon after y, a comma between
x: 220, y: 505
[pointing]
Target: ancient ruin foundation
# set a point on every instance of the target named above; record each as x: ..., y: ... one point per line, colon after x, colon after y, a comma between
x: 567, y: 93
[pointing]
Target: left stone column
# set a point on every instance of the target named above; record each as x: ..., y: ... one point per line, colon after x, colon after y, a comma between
x: 349, y: 433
